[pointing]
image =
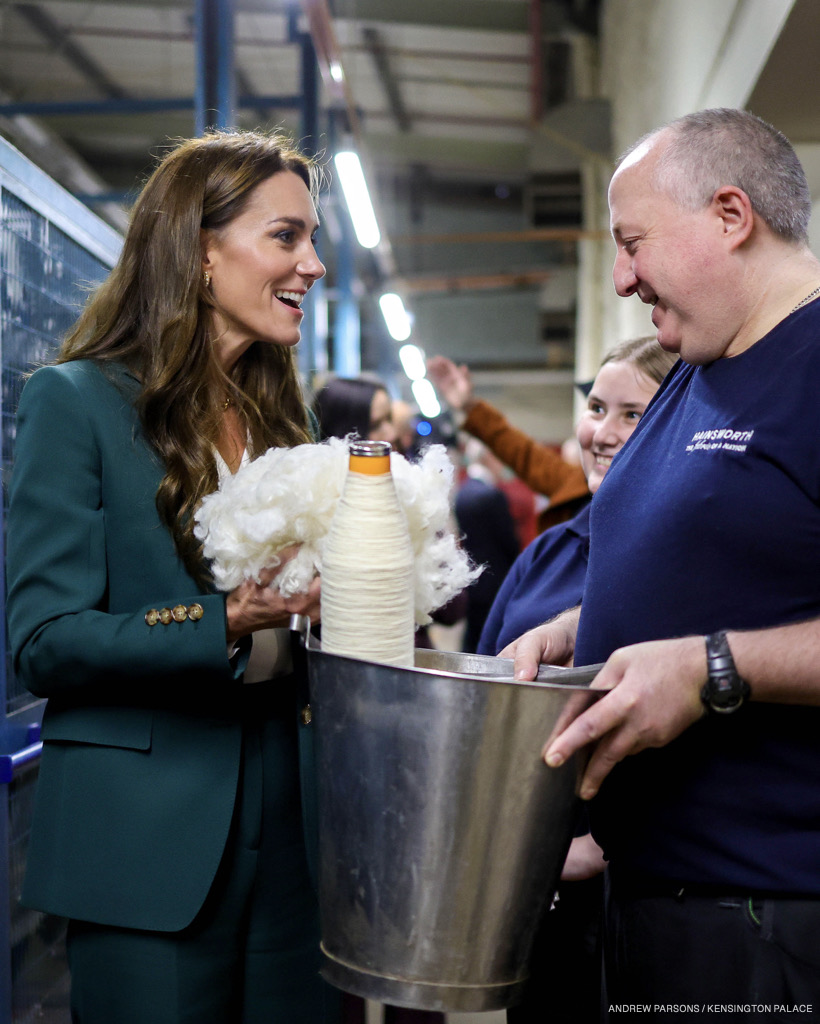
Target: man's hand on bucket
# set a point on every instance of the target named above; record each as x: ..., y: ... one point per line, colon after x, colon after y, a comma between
x: 654, y: 695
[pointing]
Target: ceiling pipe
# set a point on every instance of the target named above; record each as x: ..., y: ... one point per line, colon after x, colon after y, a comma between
x: 331, y: 67
x: 215, y: 97
x: 310, y: 95
x: 475, y: 282
x: 494, y: 237
x: 329, y: 59
x: 313, y: 350
x: 536, y: 64
x: 50, y: 153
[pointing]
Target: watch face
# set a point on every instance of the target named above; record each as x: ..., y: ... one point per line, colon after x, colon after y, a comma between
x: 725, y: 693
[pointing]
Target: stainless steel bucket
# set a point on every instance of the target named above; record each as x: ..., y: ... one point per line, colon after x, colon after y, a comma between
x: 442, y: 832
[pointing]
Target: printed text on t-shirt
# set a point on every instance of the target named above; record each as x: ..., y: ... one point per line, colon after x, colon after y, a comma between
x: 725, y: 439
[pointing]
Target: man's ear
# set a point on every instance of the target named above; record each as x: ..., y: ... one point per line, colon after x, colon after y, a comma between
x: 734, y: 209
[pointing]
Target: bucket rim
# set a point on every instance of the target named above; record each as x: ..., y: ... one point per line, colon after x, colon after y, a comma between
x: 550, y: 677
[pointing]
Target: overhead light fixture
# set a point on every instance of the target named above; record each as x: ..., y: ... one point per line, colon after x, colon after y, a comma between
x: 425, y: 396
x: 413, y: 361
x: 395, y: 316
x: 336, y: 72
x: 357, y: 198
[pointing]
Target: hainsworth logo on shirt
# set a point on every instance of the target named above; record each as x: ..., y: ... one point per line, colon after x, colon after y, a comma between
x: 725, y: 440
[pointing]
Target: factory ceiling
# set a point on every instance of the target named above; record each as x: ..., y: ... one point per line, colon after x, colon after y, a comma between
x: 455, y: 93
x: 474, y: 120
x: 483, y: 109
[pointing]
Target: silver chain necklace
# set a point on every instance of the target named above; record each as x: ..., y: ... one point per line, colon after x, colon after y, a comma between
x: 803, y: 302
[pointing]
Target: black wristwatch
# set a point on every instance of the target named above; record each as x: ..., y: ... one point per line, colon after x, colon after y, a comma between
x: 724, y: 690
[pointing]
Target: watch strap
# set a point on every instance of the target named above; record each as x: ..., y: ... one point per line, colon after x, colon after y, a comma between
x: 724, y: 691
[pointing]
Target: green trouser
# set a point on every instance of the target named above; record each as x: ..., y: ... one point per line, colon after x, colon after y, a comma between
x: 251, y: 956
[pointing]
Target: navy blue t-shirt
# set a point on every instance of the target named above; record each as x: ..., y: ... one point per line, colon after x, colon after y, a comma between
x: 710, y: 519
x: 546, y: 578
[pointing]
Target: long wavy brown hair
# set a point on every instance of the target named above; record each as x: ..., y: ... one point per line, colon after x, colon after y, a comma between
x: 153, y: 314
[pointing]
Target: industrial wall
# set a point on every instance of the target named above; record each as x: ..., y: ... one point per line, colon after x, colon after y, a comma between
x: 661, y: 59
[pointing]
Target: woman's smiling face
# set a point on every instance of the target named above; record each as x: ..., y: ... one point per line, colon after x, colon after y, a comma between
x: 619, y: 396
x: 261, y: 266
x: 381, y: 419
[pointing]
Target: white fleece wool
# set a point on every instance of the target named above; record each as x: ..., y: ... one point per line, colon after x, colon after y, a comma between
x: 288, y: 496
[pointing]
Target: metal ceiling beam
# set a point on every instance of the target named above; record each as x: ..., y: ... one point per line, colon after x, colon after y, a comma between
x: 431, y: 53
x: 42, y: 21
x: 375, y: 47
x: 49, y: 152
x: 469, y: 14
x: 559, y: 15
x: 536, y: 67
x: 329, y: 58
x: 496, y: 237
x: 474, y: 282
x: 59, y: 108
x: 331, y: 65
x: 461, y: 14
x: 468, y: 157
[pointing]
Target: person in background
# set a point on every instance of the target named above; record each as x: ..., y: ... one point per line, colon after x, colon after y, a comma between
x: 703, y: 587
x: 520, y: 498
x: 547, y: 578
x: 168, y: 825
x: 540, y: 467
x: 404, y: 419
x: 355, y: 405
x: 488, y: 535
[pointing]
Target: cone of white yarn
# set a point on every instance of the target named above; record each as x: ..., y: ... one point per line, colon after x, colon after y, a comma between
x: 367, y: 565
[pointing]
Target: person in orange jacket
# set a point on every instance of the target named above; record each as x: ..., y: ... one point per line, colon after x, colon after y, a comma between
x: 540, y: 466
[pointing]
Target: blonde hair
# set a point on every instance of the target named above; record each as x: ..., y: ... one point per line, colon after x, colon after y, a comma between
x: 645, y: 354
x: 153, y: 314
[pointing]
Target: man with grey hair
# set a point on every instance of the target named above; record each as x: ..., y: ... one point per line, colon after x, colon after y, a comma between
x: 703, y: 589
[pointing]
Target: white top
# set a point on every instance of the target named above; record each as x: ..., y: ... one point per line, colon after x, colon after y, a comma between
x: 270, y: 653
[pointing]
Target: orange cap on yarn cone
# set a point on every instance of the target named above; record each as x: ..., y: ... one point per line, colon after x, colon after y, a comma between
x: 370, y: 457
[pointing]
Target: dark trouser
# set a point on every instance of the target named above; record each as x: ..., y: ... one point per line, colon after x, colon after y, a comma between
x: 353, y: 1012
x: 251, y: 956
x: 744, y: 957
x: 564, y: 986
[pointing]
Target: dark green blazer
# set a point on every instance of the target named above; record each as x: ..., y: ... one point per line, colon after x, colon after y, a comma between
x: 142, y: 729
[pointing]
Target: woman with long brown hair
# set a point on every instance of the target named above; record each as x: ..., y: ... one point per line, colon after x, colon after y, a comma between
x: 168, y: 827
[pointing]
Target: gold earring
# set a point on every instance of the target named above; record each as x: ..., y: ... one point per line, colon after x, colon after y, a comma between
x: 207, y: 279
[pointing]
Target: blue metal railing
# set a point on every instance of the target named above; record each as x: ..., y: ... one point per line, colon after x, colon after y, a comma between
x: 9, y: 763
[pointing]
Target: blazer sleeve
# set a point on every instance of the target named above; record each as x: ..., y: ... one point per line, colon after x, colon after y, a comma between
x: 64, y: 633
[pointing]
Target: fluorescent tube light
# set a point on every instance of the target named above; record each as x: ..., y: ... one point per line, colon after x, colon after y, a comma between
x: 357, y: 198
x: 425, y: 396
x: 413, y: 361
x: 395, y: 316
